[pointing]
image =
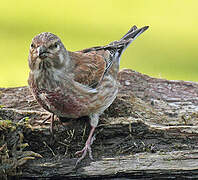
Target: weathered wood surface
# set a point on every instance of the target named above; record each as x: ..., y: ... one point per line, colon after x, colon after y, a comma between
x: 150, y: 131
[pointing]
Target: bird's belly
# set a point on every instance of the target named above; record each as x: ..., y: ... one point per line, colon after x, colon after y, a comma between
x: 65, y: 105
x: 74, y: 103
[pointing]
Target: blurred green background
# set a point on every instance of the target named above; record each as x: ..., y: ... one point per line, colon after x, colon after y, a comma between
x: 168, y: 49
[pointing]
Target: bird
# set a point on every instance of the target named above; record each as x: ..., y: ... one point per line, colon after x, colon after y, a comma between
x: 76, y: 84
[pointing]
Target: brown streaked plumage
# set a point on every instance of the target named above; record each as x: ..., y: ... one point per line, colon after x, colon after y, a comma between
x: 76, y: 84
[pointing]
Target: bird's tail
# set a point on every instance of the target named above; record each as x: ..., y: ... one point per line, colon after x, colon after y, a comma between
x: 116, y: 48
x: 133, y: 33
x: 127, y: 39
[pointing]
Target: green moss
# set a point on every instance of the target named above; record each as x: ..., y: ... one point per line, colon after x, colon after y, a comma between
x: 26, y: 119
x: 5, y: 124
x: 13, y: 151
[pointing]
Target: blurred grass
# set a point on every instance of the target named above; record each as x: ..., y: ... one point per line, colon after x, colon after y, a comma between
x: 167, y: 50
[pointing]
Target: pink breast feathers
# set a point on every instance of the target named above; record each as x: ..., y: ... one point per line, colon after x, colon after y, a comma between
x: 61, y: 104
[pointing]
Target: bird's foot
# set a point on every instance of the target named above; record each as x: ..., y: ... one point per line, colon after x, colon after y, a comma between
x: 86, y: 149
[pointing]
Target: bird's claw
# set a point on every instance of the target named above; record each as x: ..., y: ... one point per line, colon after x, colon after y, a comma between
x: 84, y: 151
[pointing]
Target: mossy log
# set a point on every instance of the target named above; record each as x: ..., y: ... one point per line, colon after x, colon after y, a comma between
x: 150, y: 131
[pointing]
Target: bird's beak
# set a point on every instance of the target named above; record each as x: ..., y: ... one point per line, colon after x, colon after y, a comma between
x: 42, y: 52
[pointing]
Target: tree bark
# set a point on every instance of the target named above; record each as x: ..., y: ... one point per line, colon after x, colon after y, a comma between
x: 150, y: 130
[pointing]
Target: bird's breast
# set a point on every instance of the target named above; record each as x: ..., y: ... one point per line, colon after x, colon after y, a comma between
x: 73, y: 101
x: 65, y: 104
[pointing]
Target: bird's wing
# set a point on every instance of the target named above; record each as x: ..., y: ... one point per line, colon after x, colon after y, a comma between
x: 89, y: 67
x: 116, y: 48
x: 93, y: 63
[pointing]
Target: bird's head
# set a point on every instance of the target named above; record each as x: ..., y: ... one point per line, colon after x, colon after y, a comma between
x: 46, y: 51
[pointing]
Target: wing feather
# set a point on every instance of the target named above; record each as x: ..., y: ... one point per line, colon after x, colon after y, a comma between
x: 92, y: 64
x: 89, y: 67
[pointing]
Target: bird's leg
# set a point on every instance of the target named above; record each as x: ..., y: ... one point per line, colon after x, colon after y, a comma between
x: 52, y: 125
x: 87, y: 147
x: 46, y: 119
x: 51, y: 117
x: 94, y: 122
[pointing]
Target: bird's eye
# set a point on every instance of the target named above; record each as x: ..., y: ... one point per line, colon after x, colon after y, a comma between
x: 32, y: 45
x: 53, y: 46
x: 56, y: 45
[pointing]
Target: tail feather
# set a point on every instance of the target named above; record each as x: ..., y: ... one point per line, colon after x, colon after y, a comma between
x: 116, y: 48
x: 133, y: 33
x: 120, y: 45
x: 127, y: 39
x: 130, y: 31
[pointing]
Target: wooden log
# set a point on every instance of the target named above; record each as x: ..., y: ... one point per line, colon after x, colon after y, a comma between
x: 149, y: 131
